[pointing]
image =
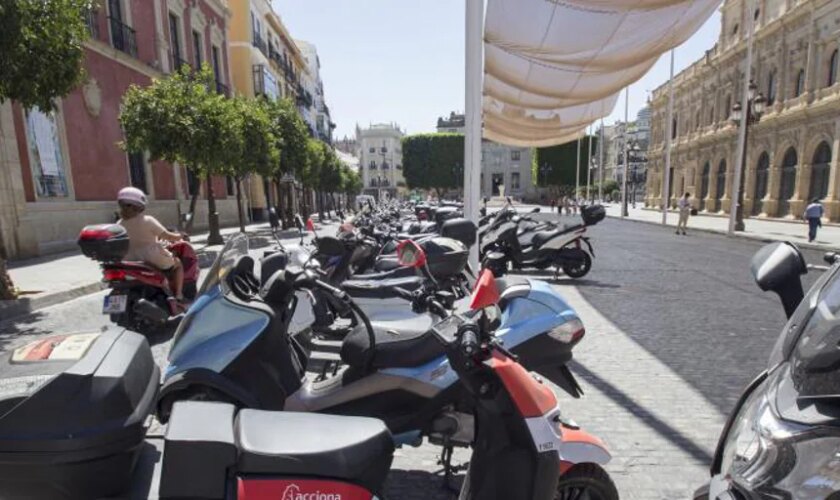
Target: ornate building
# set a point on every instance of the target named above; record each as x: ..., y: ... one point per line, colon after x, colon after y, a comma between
x: 792, y: 151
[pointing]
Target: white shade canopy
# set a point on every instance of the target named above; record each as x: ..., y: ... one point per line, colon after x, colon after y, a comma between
x: 552, y: 67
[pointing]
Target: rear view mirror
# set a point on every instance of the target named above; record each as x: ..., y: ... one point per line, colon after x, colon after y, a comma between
x: 777, y: 267
x: 410, y: 254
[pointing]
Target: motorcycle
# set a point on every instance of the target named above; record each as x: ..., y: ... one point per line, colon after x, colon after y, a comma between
x: 561, y: 247
x: 141, y: 298
x: 523, y: 447
x: 781, y: 439
x: 233, y: 345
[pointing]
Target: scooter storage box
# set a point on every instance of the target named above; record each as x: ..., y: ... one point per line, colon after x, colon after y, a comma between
x: 443, y: 214
x: 460, y: 229
x: 198, y: 451
x: 73, y: 412
x: 104, y: 242
x: 446, y: 257
x: 593, y: 214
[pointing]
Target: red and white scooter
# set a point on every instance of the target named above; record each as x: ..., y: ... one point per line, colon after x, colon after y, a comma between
x: 524, y: 448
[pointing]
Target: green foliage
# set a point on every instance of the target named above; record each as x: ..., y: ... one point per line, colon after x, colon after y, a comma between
x: 41, y: 49
x: 257, y: 148
x: 433, y: 161
x: 291, y: 130
x: 314, y: 161
x: 561, y: 161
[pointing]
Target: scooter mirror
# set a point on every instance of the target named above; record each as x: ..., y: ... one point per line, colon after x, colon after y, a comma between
x: 410, y: 254
x: 777, y: 267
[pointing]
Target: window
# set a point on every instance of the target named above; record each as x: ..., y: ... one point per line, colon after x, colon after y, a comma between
x: 217, y: 69
x: 197, y: 48
x: 174, y: 38
x: 674, y: 128
x: 137, y: 171
x: 45, y: 154
x: 832, y: 69
x: 372, y: 164
x: 771, y: 88
x: 515, y: 155
x: 514, y: 180
x: 756, y: 14
x: 799, y: 88
x: 372, y: 150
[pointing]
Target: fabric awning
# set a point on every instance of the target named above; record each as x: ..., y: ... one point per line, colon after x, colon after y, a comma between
x: 553, y: 67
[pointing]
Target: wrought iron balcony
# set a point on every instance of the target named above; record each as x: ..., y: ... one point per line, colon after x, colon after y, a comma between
x: 123, y: 37
x: 176, y: 63
x: 259, y: 43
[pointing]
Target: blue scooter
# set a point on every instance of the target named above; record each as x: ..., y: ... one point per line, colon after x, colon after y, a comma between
x: 234, y: 346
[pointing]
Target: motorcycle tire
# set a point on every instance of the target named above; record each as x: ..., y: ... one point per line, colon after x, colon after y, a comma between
x: 578, y: 270
x: 588, y: 479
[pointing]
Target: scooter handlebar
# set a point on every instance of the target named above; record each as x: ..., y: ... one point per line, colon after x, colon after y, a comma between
x: 469, y: 340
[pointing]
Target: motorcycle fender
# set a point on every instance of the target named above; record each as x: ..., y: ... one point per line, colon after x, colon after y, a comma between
x: 578, y: 446
x: 201, y: 377
x: 589, y: 246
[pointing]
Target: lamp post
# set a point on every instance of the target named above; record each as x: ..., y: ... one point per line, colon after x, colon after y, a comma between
x: 593, y: 165
x: 751, y: 113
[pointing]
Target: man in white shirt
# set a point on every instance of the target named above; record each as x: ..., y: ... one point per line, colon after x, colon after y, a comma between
x: 813, y: 214
x: 685, y: 209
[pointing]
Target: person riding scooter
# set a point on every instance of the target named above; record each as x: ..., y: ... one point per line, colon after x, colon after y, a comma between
x: 144, y: 231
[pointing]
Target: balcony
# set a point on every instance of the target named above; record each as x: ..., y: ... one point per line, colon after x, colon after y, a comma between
x: 386, y: 166
x: 259, y: 43
x: 92, y: 23
x: 264, y: 82
x: 123, y: 37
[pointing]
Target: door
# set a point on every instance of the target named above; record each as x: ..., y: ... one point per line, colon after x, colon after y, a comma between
x: 115, y: 18
x: 819, y: 172
x: 497, y: 179
x: 720, y: 186
x: 787, y: 186
x: 762, y: 175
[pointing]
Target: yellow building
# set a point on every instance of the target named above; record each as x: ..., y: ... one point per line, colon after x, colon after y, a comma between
x: 264, y: 61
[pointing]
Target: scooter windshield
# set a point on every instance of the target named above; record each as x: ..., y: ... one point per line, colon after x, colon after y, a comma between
x: 236, y: 246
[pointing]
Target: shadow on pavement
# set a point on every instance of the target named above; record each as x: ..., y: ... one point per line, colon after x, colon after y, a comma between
x: 643, y: 415
x: 18, y: 330
x: 420, y: 485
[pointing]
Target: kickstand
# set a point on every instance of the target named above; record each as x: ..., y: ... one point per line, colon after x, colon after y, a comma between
x: 449, y: 470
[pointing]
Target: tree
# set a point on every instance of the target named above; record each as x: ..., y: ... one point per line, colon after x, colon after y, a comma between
x: 257, y: 145
x: 433, y: 161
x: 561, y: 161
x: 351, y: 184
x: 41, y: 54
x: 180, y: 119
x: 294, y: 134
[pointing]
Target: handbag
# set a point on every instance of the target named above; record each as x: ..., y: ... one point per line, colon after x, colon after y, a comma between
x: 693, y: 211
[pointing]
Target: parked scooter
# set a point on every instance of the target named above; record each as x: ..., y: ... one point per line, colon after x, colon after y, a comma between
x: 141, y: 298
x: 782, y: 437
x: 523, y: 447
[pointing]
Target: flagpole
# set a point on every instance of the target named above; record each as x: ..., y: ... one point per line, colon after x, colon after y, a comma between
x: 472, y: 111
x: 669, y: 132
x: 589, y: 164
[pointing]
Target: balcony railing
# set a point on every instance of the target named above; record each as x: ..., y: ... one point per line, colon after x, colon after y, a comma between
x: 176, y: 63
x: 260, y: 44
x: 123, y: 37
x: 92, y: 23
x: 223, y: 89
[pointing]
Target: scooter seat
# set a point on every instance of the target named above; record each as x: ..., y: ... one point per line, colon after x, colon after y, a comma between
x: 541, y: 237
x: 381, y: 289
x: 394, y: 348
x: 387, y: 263
x: 354, y: 449
x: 400, y: 272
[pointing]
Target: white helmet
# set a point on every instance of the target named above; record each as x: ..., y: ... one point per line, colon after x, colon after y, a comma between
x: 132, y: 195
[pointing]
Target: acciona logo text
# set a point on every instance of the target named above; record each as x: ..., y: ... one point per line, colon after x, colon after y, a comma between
x: 292, y: 492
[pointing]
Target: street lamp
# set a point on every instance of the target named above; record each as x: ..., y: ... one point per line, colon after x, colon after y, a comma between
x: 752, y: 114
x: 593, y: 165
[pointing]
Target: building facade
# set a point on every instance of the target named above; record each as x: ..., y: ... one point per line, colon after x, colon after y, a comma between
x: 319, y: 113
x: 792, y: 150
x: 380, y: 159
x: 62, y: 170
x: 501, y: 165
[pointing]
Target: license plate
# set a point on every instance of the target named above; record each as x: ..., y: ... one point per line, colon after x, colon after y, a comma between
x: 115, y: 304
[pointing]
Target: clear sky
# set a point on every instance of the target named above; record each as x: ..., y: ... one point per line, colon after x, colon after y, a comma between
x: 403, y: 60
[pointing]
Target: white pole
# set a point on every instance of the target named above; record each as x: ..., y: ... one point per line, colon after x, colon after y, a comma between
x: 624, y: 209
x: 601, y: 164
x: 669, y: 132
x: 577, y: 172
x: 589, y: 164
x: 472, y: 130
x: 734, y: 190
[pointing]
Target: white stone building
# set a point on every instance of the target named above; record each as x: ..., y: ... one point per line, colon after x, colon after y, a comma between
x: 318, y: 115
x: 380, y: 159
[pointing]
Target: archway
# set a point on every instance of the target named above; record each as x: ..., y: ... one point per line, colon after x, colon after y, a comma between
x: 762, y: 175
x: 720, y: 185
x: 787, y: 185
x: 820, y: 167
x: 704, y: 185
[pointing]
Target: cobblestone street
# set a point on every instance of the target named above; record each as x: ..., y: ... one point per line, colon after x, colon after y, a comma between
x: 675, y: 328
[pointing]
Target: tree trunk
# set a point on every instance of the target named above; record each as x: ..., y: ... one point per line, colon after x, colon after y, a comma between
x: 215, y: 237
x: 239, y: 204
x: 7, y: 288
x: 320, y: 203
x: 191, y: 213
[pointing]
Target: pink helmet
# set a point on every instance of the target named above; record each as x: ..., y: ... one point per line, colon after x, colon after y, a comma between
x: 132, y: 195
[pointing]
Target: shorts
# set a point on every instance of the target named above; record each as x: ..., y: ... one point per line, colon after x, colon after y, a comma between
x: 158, y: 257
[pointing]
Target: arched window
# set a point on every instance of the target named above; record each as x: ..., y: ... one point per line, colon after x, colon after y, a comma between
x: 704, y: 185
x: 674, y: 128
x: 787, y: 185
x: 832, y: 69
x: 799, y: 87
x: 720, y: 186
x: 771, y: 88
x: 820, y: 167
x: 762, y: 175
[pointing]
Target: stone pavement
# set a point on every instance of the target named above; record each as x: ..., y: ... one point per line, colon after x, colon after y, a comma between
x: 828, y: 237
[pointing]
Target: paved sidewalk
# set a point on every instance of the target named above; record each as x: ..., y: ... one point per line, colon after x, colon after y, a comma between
x: 828, y: 237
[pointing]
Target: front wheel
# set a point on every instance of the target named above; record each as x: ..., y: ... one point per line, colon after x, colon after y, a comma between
x: 578, y: 269
x: 586, y: 481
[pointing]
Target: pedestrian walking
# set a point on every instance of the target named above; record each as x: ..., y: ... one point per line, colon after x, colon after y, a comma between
x: 813, y: 214
x: 685, y: 210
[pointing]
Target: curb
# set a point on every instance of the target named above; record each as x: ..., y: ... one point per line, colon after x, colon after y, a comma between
x: 763, y: 239
x: 10, y: 309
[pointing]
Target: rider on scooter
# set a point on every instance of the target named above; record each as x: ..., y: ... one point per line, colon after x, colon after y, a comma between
x: 144, y: 231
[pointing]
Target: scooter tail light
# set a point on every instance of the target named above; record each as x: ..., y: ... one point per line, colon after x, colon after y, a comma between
x: 569, y: 332
x: 115, y: 275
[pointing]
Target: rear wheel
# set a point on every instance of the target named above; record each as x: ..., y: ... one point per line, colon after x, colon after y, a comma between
x: 586, y: 482
x: 578, y: 269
